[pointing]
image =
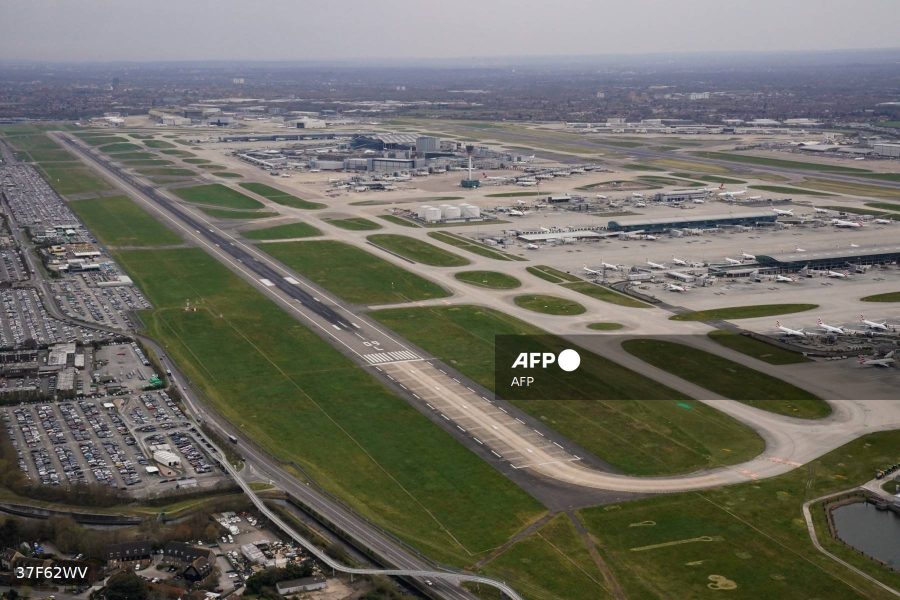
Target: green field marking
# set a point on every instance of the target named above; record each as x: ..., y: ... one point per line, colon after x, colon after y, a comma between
x: 758, y: 349
x: 354, y: 224
x: 211, y: 167
x: 398, y: 220
x: 140, y: 136
x: 489, y: 279
x: 146, y: 162
x: 886, y: 297
x: 119, y: 147
x: 782, y: 189
x: 178, y: 152
x: 197, y: 161
x: 856, y: 210
x: 68, y: 180
x: 641, y: 167
x: 282, y: 232
x: 601, y: 292
x: 777, y: 162
x: 517, y: 194
x: 623, y: 417
x: 221, y: 213
x: 101, y: 140
x: 605, y: 326
x: 552, y: 275
x: 118, y: 221
x: 167, y: 172
x: 227, y: 174
x: 353, y: 274
x: 710, y: 178
x: 549, y: 305
x: 279, y: 197
x: 417, y: 250
x: 469, y: 245
x: 891, y: 206
x: 216, y: 194
x: 728, y: 378
x: 764, y: 544
x: 307, y: 404
x: 123, y: 156
x: 743, y: 312
x: 852, y: 189
x: 158, y: 144
x: 670, y: 181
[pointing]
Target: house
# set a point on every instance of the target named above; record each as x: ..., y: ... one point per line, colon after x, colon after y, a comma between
x: 197, y: 562
x: 134, y: 555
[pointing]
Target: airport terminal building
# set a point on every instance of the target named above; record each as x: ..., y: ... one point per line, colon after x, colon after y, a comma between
x: 747, y: 219
x: 831, y: 259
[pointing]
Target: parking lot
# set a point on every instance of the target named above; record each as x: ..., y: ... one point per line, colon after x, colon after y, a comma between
x: 105, y: 440
x: 80, y: 296
x: 24, y: 318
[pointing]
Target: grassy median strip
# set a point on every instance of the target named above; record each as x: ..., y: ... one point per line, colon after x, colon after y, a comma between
x: 778, y: 162
x: 601, y: 292
x: 354, y: 224
x: 309, y: 405
x: 118, y: 221
x: 399, y: 221
x: 743, y: 312
x: 782, y: 189
x: 885, y: 297
x: 552, y: 275
x: 758, y: 349
x: 728, y: 378
x: 282, y: 232
x: 353, y: 274
x: 277, y: 196
x: 216, y: 194
x: 489, y: 279
x: 220, y: 213
x: 549, y: 305
x: 417, y: 250
x: 635, y: 423
x: 464, y: 243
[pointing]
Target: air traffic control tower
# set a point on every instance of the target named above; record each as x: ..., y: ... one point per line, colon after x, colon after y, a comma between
x: 470, y: 182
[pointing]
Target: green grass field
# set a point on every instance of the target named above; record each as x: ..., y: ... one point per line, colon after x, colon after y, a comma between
x: 69, y: 181
x: 417, y: 250
x: 549, y: 305
x: 100, y: 140
x: 197, y: 161
x: 641, y: 167
x: 638, y: 425
x: 781, y: 189
x: 605, y: 326
x: 710, y: 178
x: 158, y: 144
x: 489, y: 279
x: 753, y: 535
x: 886, y: 297
x: 166, y: 172
x: 552, y: 275
x: 778, y: 162
x: 118, y: 221
x: 728, y: 378
x: 464, y: 243
x: 852, y: 189
x: 146, y: 162
x: 120, y: 147
x: 307, y: 404
x: 398, y: 220
x: 227, y: 174
x: 885, y: 206
x: 279, y: 197
x: 743, y: 312
x: 756, y: 348
x: 855, y: 210
x: 658, y: 180
x: 353, y: 274
x: 178, y: 152
x: 517, y: 194
x: 224, y: 213
x: 605, y: 294
x: 48, y: 156
x: 354, y: 224
x: 282, y: 232
x: 211, y: 167
x: 123, y: 156
x: 216, y: 194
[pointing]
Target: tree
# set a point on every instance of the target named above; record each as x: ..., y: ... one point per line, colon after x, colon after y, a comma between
x: 126, y: 586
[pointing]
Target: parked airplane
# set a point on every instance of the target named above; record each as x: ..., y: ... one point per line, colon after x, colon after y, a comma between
x: 822, y: 211
x: 882, y: 221
x: 788, y: 331
x: 595, y: 272
x: 654, y: 265
x: 640, y: 204
x: 784, y: 279
x: 829, y: 328
x: 526, y: 183
x: 671, y: 287
x: 783, y: 213
x: 843, y: 223
x: 732, y: 261
x: 533, y: 247
x: 516, y: 213
x: 679, y: 261
x: 636, y: 195
x: 887, y: 361
x: 751, y: 198
x: 732, y: 194
x: 748, y: 256
x: 873, y: 324
x: 838, y: 274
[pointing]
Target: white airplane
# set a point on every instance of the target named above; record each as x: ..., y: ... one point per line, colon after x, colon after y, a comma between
x: 609, y: 266
x: 844, y: 223
x: 799, y: 249
x: 783, y: 213
x: 671, y: 287
x: 526, y: 183
x: 882, y: 221
x: 698, y: 201
x: 754, y: 198
x: 533, y: 247
x: 887, y: 361
x: 784, y: 279
x: 873, y: 324
x: 837, y: 274
x: 748, y: 256
x: 732, y: 261
x: 640, y: 204
x: 654, y: 265
x: 636, y: 195
x: 821, y: 211
x: 732, y: 194
x: 788, y: 331
x: 650, y: 238
x: 829, y: 328
x: 602, y: 197
x: 679, y: 261
x: 592, y: 271
x: 854, y: 245
x: 516, y: 213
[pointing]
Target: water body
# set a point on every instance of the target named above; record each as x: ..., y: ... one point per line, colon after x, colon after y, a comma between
x: 874, y: 532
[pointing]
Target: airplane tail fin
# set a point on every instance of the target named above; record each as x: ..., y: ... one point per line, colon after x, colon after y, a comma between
x: 861, y: 359
x: 777, y: 323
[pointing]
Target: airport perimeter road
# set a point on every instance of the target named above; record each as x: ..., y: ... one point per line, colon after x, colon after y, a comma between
x: 789, y: 442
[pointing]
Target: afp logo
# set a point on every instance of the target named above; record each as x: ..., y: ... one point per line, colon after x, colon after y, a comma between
x: 568, y: 360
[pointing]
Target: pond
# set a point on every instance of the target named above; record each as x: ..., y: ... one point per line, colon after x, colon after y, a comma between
x: 869, y: 530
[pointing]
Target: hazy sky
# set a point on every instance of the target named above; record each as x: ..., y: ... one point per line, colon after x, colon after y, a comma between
x: 347, y: 29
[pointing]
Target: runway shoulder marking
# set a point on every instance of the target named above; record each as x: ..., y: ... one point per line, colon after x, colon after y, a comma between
x: 266, y: 282
x: 378, y: 358
x: 291, y: 280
